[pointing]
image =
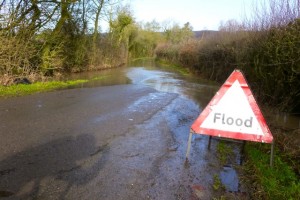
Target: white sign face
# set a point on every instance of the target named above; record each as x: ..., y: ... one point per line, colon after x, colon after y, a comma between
x: 233, y: 113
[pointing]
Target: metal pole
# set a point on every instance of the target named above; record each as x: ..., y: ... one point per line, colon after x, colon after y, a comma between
x: 209, y: 141
x: 242, y: 152
x: 189, y: 145
x: 272, y: 154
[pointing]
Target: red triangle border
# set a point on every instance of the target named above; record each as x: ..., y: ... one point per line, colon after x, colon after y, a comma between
x: 235, y: 75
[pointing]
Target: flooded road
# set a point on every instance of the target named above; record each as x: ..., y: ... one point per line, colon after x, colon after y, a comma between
x: 121, y: 136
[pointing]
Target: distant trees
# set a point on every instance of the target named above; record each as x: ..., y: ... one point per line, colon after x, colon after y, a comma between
x: 174, y: 39
x: 230, y: 26
x: 147, y: 36
x: 177, y: 34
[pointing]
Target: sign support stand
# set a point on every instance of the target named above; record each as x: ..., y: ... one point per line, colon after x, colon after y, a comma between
x: 242, y: 152
x: 209, y: 142
x: 189, y: 145
x: 242, y: 157
x: 272, y: 154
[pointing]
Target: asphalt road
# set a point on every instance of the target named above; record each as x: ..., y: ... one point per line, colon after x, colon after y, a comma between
x: 125, y: 141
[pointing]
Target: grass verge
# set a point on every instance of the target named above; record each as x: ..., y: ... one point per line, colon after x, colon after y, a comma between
x: 166, y: 64
x: 278, y: 182
x: 22, y: 89
x: 224, y: 152
x: 142, y: 58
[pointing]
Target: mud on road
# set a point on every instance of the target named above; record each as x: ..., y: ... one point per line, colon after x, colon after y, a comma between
x: 124, y: 141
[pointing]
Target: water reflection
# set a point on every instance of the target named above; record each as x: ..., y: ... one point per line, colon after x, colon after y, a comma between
x: 171, y: 82
x: 287, y: 120
x: 106, y: 77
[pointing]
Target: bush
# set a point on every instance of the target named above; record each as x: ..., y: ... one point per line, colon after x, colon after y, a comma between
x: 16, y: 54
x: 269, y: 59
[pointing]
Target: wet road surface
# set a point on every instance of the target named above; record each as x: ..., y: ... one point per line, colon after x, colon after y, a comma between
x: 121, y: 140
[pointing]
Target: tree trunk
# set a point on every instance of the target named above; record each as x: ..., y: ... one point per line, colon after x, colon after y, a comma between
x: 46, y: 55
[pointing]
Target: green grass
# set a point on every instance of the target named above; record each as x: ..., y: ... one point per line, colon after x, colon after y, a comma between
x: 97, y: 78
x: 224, y: 152
x: 168, y: 65
x: 142, y: 58
x: 278, y: 182
x: 217, y: 183
x: 22, y: 89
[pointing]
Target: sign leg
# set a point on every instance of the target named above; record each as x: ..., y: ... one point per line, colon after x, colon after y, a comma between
x: 209, y: 142
x: 189, y: 146
x: 272, y: 154
x: 242, y: 157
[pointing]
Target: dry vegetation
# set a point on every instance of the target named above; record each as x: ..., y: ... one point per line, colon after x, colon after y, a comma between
x: 266, y: 48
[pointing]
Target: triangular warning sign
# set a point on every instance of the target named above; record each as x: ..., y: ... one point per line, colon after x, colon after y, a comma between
x: 233, y: 113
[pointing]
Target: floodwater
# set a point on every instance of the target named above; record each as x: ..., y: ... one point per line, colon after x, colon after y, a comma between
x: 151, y: 74
x: 167, y: 80
x: 121, y: 136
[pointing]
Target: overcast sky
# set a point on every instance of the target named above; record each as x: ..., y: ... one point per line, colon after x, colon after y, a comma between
x: 202, y: 14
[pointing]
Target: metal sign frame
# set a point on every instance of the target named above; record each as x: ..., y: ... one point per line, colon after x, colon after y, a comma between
x: 265, y: 136
x: 209, y: 143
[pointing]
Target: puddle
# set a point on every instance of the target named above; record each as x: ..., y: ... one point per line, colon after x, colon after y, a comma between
x: 229, y: 179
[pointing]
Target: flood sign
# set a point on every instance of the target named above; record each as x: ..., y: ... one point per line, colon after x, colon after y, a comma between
x: 233, y: 113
